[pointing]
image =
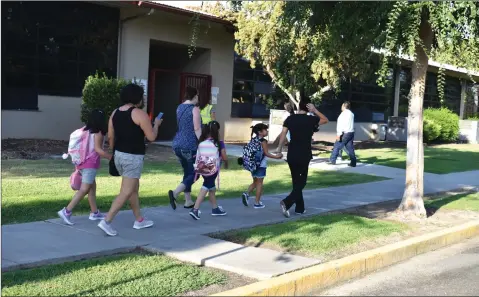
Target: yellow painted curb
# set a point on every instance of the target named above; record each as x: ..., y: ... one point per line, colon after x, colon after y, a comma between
x: 320, y: 276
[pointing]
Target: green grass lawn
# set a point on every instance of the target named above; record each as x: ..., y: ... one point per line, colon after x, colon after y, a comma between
x: 441, y: 160
x: 36, y: 190
x: 456, y: 202
x: 124, y: 275
x: 316, y: 235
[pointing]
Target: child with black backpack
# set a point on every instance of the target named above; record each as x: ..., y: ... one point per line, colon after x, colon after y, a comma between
x: 254, y: 160
x: 210, y: 155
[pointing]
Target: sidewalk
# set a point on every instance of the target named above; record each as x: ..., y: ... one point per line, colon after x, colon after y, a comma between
x: 176, y: 234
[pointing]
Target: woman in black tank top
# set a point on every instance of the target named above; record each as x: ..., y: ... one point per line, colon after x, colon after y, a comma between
x: 127, y: 129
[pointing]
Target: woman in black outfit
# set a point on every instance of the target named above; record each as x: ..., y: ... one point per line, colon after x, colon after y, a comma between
x: 301, y: 128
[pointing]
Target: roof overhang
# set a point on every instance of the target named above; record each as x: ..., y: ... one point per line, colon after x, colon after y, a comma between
x: 182, y: 11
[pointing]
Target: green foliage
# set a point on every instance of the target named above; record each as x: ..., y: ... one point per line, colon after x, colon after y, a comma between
x: 101, y: 92
x: 446, y: 119
x: 454, y: 26
x: 431, y: 130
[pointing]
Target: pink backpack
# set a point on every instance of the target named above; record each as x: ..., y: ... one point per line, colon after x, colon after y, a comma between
x: 78, y: 151
x: 75, y: 180
x: 78, y: 146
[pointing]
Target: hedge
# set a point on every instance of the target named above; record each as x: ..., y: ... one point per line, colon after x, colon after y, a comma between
x: 446, y: 120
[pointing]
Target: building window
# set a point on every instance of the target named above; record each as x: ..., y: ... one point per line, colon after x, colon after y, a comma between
x: 253, y: 91
x: 452, y: 92
x: 50, y: 48
x: 369, y: 102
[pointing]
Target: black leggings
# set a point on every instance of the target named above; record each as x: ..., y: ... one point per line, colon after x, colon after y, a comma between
x: 299, y: 176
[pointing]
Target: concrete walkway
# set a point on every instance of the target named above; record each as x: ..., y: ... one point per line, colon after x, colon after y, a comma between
x: 176, y: 234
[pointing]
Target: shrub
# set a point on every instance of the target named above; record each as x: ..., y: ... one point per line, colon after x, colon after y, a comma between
x: 448, y: 120
x: 101, y: 92
x: 431, y: 130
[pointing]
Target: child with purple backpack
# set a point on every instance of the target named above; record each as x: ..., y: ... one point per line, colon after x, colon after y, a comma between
x: 86, y: 148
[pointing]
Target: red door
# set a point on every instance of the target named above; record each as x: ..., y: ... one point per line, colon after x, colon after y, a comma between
x: 201, y: 82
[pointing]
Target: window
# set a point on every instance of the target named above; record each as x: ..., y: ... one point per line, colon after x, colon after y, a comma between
x: 49, y: 48
x: 452, y: 92
x: 369, y: 102
x: 253, y: 92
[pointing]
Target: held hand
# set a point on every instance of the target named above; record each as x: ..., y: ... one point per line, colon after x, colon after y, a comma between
x: 279, y: 156
x: 158, y: 122
x: 311, y: 107
x: 338, y: 138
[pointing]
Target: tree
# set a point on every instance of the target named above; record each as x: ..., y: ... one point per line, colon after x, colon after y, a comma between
x: 422, y: 30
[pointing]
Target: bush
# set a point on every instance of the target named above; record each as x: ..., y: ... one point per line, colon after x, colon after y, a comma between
x: 448, y: 120
x: 431, y: 130
x: 101, y: 92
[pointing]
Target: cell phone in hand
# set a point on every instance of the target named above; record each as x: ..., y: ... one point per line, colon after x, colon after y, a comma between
x: 159, y: 116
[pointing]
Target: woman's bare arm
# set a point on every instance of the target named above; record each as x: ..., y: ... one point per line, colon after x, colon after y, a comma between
x: 99, y: 146
x: 224, y: 157
x: 111, y: 132
x: 266, y: 152
x: 140, y: 117
x: 197, y: 121
x: 282, y: 138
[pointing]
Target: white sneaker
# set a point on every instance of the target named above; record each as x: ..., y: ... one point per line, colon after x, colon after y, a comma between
x: 143, y: 224
x: 65, y: 217
x: 107, y: 228
x: 96, y: 216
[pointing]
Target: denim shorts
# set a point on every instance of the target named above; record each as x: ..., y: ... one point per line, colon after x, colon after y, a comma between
x: 260, y: 172
x: 88, y: 175
x: 129, y: 165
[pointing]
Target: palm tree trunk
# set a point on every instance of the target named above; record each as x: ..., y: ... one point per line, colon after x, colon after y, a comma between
x: 412, y: 201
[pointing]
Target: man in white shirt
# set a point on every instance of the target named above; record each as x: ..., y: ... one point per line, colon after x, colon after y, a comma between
x: 344, y: 135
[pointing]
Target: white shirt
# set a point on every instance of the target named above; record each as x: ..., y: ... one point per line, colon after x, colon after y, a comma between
x: 345, y: 122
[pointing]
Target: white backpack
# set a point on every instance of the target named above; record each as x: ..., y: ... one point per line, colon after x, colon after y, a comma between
x: 78, y: 146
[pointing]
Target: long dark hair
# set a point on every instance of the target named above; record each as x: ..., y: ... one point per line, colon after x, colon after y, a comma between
x: 96, y: 122
x: 211, y: 130
x: 257, y: 128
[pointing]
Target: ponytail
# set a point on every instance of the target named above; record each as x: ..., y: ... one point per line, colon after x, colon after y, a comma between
x: 257, y: 128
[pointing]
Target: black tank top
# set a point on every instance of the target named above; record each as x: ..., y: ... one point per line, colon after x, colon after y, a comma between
x: 129, y: 137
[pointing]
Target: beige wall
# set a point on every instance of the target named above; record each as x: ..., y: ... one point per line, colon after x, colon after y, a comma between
x: 218, y: 61
x: 56, y: 119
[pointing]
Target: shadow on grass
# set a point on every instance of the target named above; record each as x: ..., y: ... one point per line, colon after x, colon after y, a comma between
x: 49, y: 272
x: 299, y: 231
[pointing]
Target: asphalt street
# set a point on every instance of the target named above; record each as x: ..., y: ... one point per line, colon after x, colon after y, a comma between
x: 451, y: 271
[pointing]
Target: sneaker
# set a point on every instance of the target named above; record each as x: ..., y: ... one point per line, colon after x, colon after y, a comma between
x: 195, y: 214
x: 284, y: 209
x: 143, y: 224
x: 259, y: 205
x: 172, y: 199
x: 107, y: 228
x: 96, y: 216
x: 331, y: 163
x: 300, y: 213
x: 65, y: 217
x: 352, y: 164
x: 219, y: 211
x: 245, y: 199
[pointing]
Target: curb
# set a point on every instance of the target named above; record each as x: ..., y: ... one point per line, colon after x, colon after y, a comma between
x: 320, y: 276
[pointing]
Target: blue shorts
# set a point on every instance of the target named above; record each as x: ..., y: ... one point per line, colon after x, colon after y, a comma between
x: 260, y: 172
x: 209, y: 182
x: 88, y: 175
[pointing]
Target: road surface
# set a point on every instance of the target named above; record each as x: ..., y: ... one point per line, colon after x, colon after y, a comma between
x: 451, y: 271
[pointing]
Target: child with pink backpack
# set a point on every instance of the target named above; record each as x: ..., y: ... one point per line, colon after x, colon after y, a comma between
x: 209, y: 156
x: 85, y: 149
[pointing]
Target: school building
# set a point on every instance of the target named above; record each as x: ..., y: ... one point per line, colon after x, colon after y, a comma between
x: 49, y: 48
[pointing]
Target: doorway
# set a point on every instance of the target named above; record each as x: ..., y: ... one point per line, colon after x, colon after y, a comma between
x: 171, y: 70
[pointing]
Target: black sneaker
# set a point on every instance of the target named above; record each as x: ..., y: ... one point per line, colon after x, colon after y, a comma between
x: 351, y: 165
x: 300, y: 213
x: 195, y: 214
x: 245, y: 199
x: 172, y: 199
